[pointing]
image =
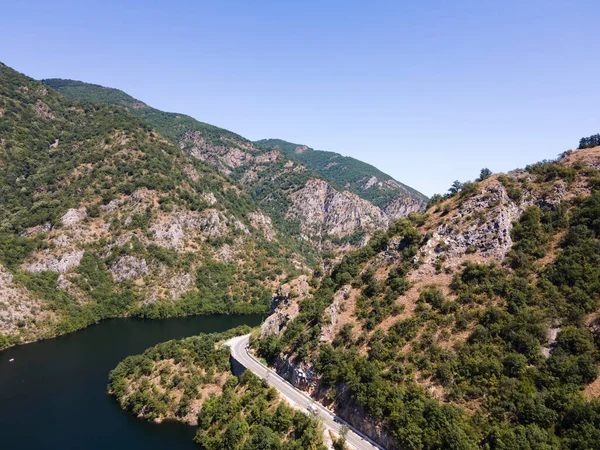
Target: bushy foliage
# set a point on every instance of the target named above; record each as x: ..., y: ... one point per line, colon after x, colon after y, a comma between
x: 591, y: 141
x: 184, y: 365
x: 243, y: 413
x: 249, y: 416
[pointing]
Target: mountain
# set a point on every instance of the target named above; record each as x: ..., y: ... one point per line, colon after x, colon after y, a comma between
x: 346, y: 173
x: 103, y: 217
x: 299, y: 197
x: 473, y: 325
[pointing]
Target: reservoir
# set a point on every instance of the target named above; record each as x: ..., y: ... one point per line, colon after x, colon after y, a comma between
x: 53, y: 395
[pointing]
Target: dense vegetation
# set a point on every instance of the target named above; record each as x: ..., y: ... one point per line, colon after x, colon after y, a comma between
x: 190, y: 379
x: 249, y: 416
x: 591, y: 141
x: 346, y: 173
x: 504, y: 385
x: 163, y: 381
x: 169, y: 125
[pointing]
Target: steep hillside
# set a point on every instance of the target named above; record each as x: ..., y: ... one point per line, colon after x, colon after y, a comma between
x: 346, y: 173
x: 474, y: 325
x: 102, y: 217
x: 279, y: 184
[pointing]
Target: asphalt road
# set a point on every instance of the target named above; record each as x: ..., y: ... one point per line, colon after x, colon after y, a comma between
x: 295, y: 396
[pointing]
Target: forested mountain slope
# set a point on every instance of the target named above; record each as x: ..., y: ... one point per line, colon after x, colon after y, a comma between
x: 344, y: 172
x: 103, y: 217
x: 473, y: 325
x: 300, y: 199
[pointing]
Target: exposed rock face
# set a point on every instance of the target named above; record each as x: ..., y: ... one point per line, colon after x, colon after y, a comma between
x: 129, y: 267
x: 403, y: 206
x: 42, y: 110
x: 43, y: 228
x: 298, y: 288
x: 112, y: 206
x: 300, y: 375
x: 323, y: 210
x: 371, y: 182
x: 209, y: 197
x: 223, y: 157
x: 332, y: 313
x: 285, y: 306
x: 552, y: 335
x: 263, y: 223
x: 268, y: 157
x: 211, y: 223
x: 320, y: 209
x: 275, y: 323
x: 357, y: 417
x: 47, y: 261
x: 489, y: 235
x: 170, y: 230
x: 304, y: 376
x: 73, y: 216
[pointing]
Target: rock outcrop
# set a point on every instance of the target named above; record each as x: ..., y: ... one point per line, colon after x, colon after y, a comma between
x: 128, y: 268
x: 263, y: 223
x: 45, y: 260
x: 322, y: 210
x: 481, y: 225
x: 285, y: 306
x: 403, y: 206
x: 73, y: 216
x: 224, y: 157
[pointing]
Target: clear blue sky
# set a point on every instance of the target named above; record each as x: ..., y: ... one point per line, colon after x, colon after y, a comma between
x: 428, y: 91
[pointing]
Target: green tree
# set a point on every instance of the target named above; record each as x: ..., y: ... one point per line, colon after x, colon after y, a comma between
x: 484, y: 174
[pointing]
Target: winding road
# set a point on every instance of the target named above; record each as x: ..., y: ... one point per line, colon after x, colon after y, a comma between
x: 296, y: 397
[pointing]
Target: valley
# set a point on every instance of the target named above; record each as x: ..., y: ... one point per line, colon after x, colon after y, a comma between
x: 465, y: 320
x: 110, y: 214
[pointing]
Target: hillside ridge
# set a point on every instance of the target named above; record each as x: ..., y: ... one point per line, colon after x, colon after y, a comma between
x: 461, y: 327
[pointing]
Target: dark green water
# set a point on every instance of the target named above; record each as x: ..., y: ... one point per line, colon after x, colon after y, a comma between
x: 53, y: 395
